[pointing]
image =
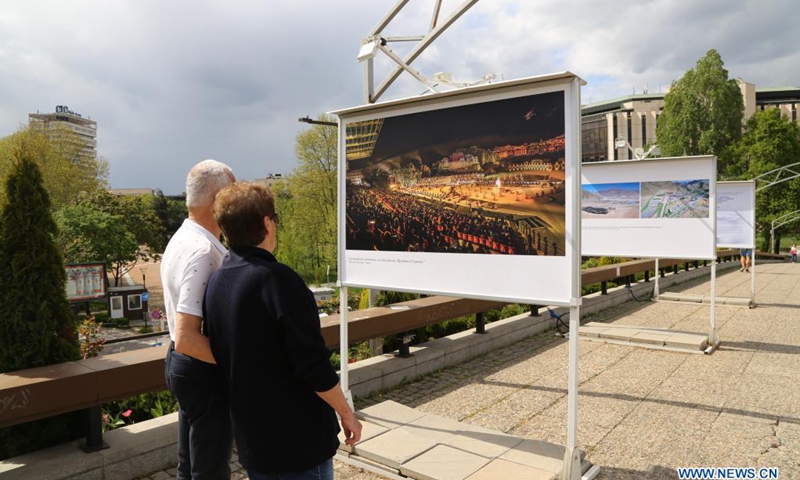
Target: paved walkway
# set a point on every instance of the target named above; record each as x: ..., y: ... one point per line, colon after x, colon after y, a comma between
x: 643, y: 413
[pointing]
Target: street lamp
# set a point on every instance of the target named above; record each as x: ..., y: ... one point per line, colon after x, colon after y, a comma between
x: 311, y: 121
x: 144, y: 279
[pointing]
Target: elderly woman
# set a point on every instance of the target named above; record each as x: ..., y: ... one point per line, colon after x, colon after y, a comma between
x: 264, y: 330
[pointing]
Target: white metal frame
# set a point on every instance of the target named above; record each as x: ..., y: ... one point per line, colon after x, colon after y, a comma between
x: 712, y: 336
x: 776, y: 176
x: 751, y: 246
x: 572, y: 468
x: 781, y: 221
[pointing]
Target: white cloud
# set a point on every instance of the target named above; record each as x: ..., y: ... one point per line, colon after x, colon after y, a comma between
x: 171, y: 83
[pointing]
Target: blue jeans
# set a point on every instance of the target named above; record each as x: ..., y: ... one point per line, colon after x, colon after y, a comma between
x: 323, y: 471
x: 205, y: 439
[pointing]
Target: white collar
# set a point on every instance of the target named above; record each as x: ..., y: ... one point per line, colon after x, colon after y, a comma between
x: 196, y: 227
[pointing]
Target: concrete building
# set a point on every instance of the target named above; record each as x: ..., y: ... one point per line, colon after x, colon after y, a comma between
x: 271, y: 180
x: 635, y: 117
x: 64, y: 120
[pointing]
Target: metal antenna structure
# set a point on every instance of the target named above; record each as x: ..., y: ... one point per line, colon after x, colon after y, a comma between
x: 375, y: 42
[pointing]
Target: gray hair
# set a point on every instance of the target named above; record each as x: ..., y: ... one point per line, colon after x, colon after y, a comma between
x: 205, y: 180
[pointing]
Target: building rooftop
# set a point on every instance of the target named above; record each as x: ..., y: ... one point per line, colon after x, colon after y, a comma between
x: 616, y: 103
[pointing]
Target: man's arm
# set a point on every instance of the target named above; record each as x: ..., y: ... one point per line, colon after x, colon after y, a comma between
x: 189, y: 339
x: 350, y: 424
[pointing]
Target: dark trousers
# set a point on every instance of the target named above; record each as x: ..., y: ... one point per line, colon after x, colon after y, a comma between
x: 205, y: 440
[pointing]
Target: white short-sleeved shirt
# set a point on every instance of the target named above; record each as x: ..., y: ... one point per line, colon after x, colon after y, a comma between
x: 190, y: 258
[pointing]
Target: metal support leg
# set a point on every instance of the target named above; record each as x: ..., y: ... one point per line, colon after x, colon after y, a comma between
x: 94, y: 436
x: 535, y: 311
x: 604, y: 287
x: 405, y: 346
x: 647, y: 275
x: 674, y: 269
x: 572, y: 462
x: 480, y: 323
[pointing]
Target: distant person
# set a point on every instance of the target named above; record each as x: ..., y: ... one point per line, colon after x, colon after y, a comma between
x: 793, y: 253
x: 745, y: 254
x: 192, y: 255
x: 264, y: 329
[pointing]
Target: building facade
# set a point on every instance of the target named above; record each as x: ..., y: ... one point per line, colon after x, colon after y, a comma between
x: 634, y: 118
x: 66, y: 124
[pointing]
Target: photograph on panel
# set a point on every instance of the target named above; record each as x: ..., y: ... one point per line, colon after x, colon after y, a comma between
x: 486, y: 178
x: 675, y: 199
x: 610, y: 200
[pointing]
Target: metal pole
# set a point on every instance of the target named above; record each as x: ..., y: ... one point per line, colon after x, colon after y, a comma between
x: 572, y: 463
x: 712, y: 334
x: 572, y: 468
x: 753, y: 277
x: 772, y: 237
x: 344, y: 379
x: 369, y: 80
x: 655, y: 287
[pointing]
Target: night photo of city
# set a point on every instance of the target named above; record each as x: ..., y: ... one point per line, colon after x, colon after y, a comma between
x: 486, y: 178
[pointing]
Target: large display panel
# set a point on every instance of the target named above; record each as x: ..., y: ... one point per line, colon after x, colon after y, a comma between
x: 464, y: 193
x: 649, y: 208
x: 736, y: 214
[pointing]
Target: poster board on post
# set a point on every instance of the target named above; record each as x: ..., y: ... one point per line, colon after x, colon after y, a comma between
x: 465, y: 193
x: 736, y: 214
x: 657, y: 208
x: 86, y: 281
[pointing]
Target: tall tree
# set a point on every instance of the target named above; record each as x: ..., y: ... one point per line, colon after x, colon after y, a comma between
x: 307, y: 203
x: 171, y: 212
x: 64, y: 173
x: 770, y: 141
x: 703, y: 111
x: 37, y: 326
x: 104, y: 227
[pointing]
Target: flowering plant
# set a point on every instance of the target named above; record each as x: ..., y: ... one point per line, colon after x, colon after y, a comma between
x: 110, y: 422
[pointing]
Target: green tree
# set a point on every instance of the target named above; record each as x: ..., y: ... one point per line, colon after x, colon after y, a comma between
x: 64, y: 173
x: 104, y: 227
x: 88, y: 234
x: 770, y: 141
x: 37, y: 326
x: 703, y: 111
x: 307, y: 204
x: 170, y: 212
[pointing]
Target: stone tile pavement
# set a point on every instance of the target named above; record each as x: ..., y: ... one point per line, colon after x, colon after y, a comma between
x: 642, y: 413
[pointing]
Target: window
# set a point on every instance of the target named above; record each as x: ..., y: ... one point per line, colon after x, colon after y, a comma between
x: 630, y: 128
x: 616, y: 135
x: 134, y: 302
x: 644, y: 129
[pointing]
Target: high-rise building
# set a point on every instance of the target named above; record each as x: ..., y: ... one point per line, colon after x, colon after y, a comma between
x: 66, y: 124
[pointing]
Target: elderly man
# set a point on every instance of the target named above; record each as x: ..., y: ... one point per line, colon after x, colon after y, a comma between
x: 264, y: 329
x: 193, y: 254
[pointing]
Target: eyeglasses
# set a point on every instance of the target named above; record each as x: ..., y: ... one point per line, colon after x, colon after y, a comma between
x: 276, y: 218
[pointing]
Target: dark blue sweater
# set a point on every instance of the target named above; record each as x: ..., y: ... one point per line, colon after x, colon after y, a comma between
x: 264, y: 329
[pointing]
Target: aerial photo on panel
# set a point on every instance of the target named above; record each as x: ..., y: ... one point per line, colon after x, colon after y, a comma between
x: 610, y: 200
x: 675, y: 199
x: 486, y: 178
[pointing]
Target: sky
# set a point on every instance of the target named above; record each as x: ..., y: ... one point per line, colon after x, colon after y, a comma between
x: 172, y: 82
